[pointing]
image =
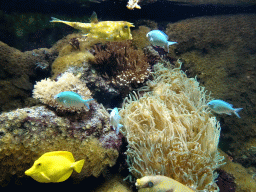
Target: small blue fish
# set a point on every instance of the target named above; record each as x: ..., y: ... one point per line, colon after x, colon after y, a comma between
x: 159, y: 38
x: 115, y: 119
x: 71, y: 99
x: 219, y: 106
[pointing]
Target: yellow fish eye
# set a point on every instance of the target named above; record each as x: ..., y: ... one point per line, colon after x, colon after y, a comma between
x: 126, y: 26
x: 38, y: 164
x: 150, y: 184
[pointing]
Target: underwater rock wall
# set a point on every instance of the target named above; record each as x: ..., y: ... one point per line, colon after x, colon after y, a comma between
x: 18, y: 72
x: 220, y: 51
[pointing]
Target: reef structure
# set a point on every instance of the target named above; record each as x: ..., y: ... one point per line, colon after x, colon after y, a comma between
x: 26, y: 134
x: 170, y: 132
x: 46, y: 89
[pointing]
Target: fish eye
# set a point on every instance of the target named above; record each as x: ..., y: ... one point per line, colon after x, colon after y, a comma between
x: 150, y: 184
x: 126, y: 27
x: 39, y: 164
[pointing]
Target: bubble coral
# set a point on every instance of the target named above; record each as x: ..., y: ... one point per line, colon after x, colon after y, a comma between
x: 26, y: 134
x: 171, y: 133
x: 46, y: 89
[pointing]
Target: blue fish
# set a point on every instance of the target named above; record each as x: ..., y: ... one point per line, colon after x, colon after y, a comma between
x: 159, y: 38
x: 220, y: 107
x: 115, y: 119
x: 71, y: 99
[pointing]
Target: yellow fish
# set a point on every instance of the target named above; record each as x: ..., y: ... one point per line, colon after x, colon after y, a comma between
x: 159, y: 183
x: 104, y: 30
x: 55, y: 166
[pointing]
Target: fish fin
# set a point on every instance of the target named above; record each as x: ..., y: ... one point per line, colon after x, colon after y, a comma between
x: 54, y: 19
x: 65, y: 154
x: 86, y: 102
x: 65, y: 176
x: 137, y: 6
x: 163, y: 33
x: 171, y: 43
x: 78, y: 165
x: 118, y: 127
x: 236, y: 111
x: 94, y: 18
x: 44, y: 176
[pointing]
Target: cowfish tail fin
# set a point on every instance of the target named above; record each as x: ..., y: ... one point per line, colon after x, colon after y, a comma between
x: 78, y: 165
x: 236, y: 111
x: 86, y: 102
x: 54, y: 19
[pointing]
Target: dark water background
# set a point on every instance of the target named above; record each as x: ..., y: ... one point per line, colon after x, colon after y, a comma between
x: 162, y: 12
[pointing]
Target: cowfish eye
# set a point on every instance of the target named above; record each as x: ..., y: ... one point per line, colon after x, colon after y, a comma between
x: 38, y: 164
x: 126, y: 27
x: 150, y: 184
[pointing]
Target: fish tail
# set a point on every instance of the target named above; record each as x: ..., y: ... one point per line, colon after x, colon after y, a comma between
x: 78, y: 165
x: 54, y: 19
x: 118, y: 128
x: 236, y: 111
x: 86, y: 102
x: 171, y: 43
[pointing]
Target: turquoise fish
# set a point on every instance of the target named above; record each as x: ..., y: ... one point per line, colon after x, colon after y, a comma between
x: 220, y: 107
x: 71, y: 99
x: 115, y: 119
x: 159, y: 38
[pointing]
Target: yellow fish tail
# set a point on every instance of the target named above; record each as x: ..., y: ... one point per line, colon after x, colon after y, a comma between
x: 78, y: 165
x: 54, y: 19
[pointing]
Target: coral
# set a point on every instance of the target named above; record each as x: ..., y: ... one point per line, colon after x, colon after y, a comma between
x: 114, y: 184
x: 220, y: 51
x: 139, y: 37
x: 225, y: 182
x: 72, y: 53
x: 19, y: 70
x: 46, y: 89
x: 243, y: 178
x: 118, y: 68
x: 121, y: 64
x: 131, y: 4
x: 26, y: 134
x: 170, y: 132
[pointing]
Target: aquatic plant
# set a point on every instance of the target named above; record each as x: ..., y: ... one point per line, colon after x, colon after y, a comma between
x: 170, y: 132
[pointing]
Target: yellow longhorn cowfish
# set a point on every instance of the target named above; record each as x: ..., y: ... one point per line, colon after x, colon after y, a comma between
x: 160, y: 183
x: 104, y: 30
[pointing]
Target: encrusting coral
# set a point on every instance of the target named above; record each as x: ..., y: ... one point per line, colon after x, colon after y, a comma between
x: 170, y: 132
x: 46, y: 89
x: 26, y: 134
x: 18, y: 71
x: 73, y: 52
